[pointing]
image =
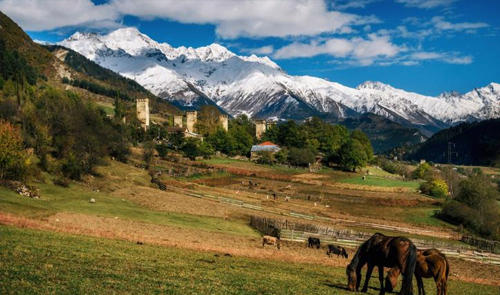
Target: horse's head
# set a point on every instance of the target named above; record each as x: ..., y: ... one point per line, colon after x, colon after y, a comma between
x: 391, y: 280
x: 351, y: 278
x: 344, y: 253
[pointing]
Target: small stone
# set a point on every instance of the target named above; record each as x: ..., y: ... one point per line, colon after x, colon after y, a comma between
x: 92, y: 200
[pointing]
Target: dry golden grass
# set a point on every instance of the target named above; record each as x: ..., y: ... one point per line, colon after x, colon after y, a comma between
x: 251, y: 247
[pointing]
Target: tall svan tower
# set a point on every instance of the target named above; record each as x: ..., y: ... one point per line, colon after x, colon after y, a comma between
x: 142, y: 106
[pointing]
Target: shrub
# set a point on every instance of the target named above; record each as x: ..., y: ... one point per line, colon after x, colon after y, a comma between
x: 474, y: 207
x: 72, y: 168
x: 301, y: 156
x: 436, y: 188
x: 266, y: 157
x: 162, y: 150
x: 421, y: 171
x: 60, y: 180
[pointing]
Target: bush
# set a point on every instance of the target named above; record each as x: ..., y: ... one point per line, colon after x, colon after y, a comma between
x: 435, y: 188
x: 421, y: 171
x: 266, y: 157
x: 301, y: 156
x: 61, y: 181
x: 162, y: 150
x: 475, y: 207
x: 388, y: 166
x: 281, y: 156
x: 71, y: 168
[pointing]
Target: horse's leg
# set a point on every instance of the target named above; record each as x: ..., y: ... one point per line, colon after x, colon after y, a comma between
x: 381, y: 279
x: 420, y: 284
x: 358, y: 278
x: 367, y: 279
x: 440, y: 279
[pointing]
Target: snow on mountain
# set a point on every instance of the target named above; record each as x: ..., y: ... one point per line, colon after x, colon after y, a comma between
x: 259, y: 87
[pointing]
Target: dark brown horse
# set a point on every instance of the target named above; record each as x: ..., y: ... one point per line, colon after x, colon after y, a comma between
x: 431, y: 263
x: 383, y: 251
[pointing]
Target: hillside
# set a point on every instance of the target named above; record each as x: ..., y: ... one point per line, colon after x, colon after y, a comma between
x: 475, y: 143
x: 383, y: 133
x: 28, y: 63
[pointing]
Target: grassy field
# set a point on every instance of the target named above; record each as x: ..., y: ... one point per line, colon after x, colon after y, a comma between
x: 251, y: 166
x: 76, y: 200
x: 39, y: 262
x: 107, y: 107
x: 381, y: 181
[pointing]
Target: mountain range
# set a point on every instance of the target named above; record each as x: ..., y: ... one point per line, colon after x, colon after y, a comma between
x: 258, y: 87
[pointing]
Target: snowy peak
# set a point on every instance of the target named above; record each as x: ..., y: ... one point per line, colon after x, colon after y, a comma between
x: 130, y: 40
x: 135, y: 43
x: 258, y: 87
x: 451, y: 94
x: 375, y: 85
x: 263, y: 60
x: 214, y: 52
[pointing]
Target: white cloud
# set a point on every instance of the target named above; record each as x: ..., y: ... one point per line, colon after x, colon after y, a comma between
x: 264, y: 50
x: 358, y: 50
x: 53, y: 14
x: 440, y: 24
x: 250, y: 18
x: 232, y: 19
x: 426, y: 4
x: 347, y: 4
x: 447, y: 57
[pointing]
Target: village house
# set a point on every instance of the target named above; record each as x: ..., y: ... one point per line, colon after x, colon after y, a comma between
x: 266, y: 146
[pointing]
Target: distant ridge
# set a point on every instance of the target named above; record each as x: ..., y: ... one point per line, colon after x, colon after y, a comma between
x: 258, y: 87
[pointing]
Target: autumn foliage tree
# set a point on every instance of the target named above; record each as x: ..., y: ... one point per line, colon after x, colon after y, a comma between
x: 14, y: 161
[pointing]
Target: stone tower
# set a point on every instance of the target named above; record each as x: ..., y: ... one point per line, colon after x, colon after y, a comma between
x: 260, y: 128
x: 270, y: 124
x: 177, y: 121
x: 223, y: 120
x: 142, y: 106
x: 191, y: 119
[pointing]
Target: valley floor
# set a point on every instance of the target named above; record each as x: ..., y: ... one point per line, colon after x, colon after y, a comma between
x: 137, y: 239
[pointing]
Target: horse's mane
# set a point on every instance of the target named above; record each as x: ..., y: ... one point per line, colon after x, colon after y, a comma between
x: 362, y: 249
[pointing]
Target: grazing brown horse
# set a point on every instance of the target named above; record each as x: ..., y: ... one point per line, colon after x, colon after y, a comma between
x: 431, y: 263
x: 383, y: 251
x: 268, y: 240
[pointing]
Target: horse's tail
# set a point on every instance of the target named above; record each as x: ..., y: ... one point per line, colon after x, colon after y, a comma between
x: 411, y: 262
x: 447, y: 265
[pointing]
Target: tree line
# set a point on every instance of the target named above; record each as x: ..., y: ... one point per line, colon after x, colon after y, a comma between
x: 300, y: 144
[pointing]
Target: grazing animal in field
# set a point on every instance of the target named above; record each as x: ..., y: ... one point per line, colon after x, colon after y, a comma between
x: 313, y: 242
x: 340, y: 251
x: 431, y: 263
x: 268, y: 240
x: 383, y: 251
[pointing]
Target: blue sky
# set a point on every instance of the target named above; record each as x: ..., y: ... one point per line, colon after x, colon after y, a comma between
x: 425, y: 46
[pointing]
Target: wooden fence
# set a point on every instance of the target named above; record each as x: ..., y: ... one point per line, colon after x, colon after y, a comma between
x: 294, y: 231
x: 492, y: 246
x: 299, y: 232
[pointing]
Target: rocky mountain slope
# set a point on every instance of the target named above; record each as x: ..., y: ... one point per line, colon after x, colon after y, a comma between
x: 258, y: 87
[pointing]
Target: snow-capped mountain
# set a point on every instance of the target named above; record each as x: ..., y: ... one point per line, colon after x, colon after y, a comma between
x: 258, y: 87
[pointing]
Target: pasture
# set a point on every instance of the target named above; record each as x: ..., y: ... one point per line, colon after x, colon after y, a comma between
x: 381, y: 181
x: 41, y: 262
x: 79, y: 247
